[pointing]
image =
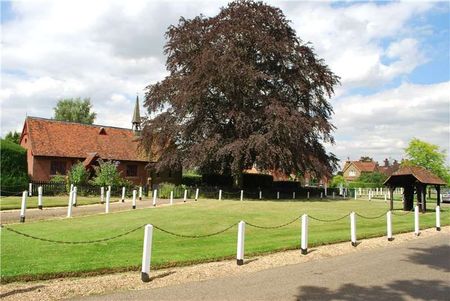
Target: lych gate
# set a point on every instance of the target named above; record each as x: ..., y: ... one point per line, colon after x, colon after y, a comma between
x: 413, y: 179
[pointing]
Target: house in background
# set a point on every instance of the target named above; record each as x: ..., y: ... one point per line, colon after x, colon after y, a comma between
x: 353, y: 169
x: 54, y: 146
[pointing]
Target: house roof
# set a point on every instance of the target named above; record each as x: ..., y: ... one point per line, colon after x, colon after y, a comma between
x: 361, y: 166
x: 421, y: 174
x: 54, y: 138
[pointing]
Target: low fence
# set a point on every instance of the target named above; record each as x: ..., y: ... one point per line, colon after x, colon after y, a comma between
x: 240, y: 250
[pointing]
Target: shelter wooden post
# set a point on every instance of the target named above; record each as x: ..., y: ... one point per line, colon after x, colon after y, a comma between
x: 419, y: 191
x: 438, y: 195
x: 424, y: 199
x: 391, y: 198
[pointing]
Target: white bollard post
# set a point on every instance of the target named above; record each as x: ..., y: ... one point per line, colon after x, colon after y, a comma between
x: 23, y: 207
x: 438, y: 218
x: 155, y: 193
x: 30, y: 189
x: 123, y: 194
x: 40, y: 197
x: 102, y: 194
x: 147, y: 253
x: 356, y: 194
x: 307, y: 195
x: 140, y: 193
x: 185, y: 196
x: 353, y: 228
x: 304, y: 243
x: 242, y: 195
x: 326, y: 190
x: 240, y: 243
x: 134, y: 198
x: 171, y: 198
x: 74, y: 196
x: 260, y: 194
x: 196, y: 194
x: 220, y: 194
x: 293, y: 195
x: 370, y: 195
x: 334, y: 194
x: 108, y: 198
x: 69, y: 206
x: 389, y: 225
x: 321, y: 195
x: 416, y: 221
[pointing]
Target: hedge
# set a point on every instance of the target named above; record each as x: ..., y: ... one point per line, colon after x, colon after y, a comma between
x: 14, y: 175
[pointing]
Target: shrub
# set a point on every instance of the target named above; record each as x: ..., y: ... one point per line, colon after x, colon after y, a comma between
x: 286, y: 185
x: 78, y: 174
x: 106, y: 174
x: 191, y: 180
x: 257, y: 181
x: 14, y: 177
x: 218, y: 180
x: 165, y: 188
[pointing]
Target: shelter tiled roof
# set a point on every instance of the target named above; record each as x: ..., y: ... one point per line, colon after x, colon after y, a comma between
x: 54, y: 138
x: 421, y: 174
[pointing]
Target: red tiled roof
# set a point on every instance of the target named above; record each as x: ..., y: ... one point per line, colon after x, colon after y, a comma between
x: 421, y: 174
x: 361, y: 166
x: 54, y: 138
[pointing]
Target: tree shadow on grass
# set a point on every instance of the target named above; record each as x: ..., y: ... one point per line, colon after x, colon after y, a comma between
x: 432, y: 290
x: 437, y: 258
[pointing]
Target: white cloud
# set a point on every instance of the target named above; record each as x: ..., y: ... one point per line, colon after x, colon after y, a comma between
x: 381, y: 125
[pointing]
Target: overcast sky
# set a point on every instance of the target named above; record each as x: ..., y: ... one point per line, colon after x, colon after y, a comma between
x: 393, y: 59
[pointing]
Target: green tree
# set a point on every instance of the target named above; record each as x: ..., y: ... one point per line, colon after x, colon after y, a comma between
x: 78, y: 174
x: 428, y: 156
x: 242, y: 89
x: 75, y: 110
x: 372, y: 179
x: 14, y: 137
x: 337, y: 180
x: 106, y: 174
x: 14, y: 177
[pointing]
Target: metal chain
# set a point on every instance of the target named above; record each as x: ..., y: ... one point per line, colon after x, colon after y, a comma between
x: 327, y: 220
x: 273, y: 227
x: 72, y: 242
x: 371, y: 217
x: 194, y: 236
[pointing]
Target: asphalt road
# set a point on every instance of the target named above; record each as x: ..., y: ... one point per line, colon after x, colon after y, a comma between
x: 416, y: 270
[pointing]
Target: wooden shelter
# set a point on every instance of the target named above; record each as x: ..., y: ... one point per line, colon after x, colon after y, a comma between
x: 413, y: 179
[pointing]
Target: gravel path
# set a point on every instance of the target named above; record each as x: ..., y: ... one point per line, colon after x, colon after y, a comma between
x: 12, y: 216
x: 74, y: 287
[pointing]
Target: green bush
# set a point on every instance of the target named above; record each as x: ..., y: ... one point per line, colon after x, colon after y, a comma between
x: 14, y: 177
x: 106, y: 174
x: 78, y: 174
x: 165, y: 188
x: 191, y: 180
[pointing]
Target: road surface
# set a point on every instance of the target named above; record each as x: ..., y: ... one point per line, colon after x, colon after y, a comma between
x: 416, y: 270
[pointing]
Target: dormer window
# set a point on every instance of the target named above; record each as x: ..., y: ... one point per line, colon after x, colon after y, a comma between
x: 102, y: 131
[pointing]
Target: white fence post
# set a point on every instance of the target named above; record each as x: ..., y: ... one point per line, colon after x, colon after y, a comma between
x: 438, y: 218
x: 40, y: 197
x: 171, y: 197
x: 108, y: 199
x: 140, y: 193
x: 307, y: 195
x: 278, y: 195
x: 134, y: 198
x: 334, y: 194
x: 326, y: 190
x: 260, y: 194
x: 389, y: 225
x: 185, y: 196
x: 30, y: 189
x: 74, y: 196
x: 123, y: 194
x: 240, y: 243
x: 304, y: 243
x: 147, y: 253
x: 155, y: 193
x: 385, y: 198
x: 356, y: 194
x: 220, y: 194
x: 23, y: 207
x: 321, y: 195
x: 69, y: 206
x: 102, y: 194
x: 353, y: 228
x: 293, y: 195
x: 416, y: 221
x: 370, y: 195
x: 242, y: 195
x: 196, y: 194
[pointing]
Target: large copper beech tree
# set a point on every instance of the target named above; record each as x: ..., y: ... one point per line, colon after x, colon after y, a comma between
x: 243, y: 89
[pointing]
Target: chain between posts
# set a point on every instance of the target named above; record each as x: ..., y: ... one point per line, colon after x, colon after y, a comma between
x: 273, y: 227
x: 72, y: 242
x: 327, y: 220
x: 194, y: 236
x: 371, y: 217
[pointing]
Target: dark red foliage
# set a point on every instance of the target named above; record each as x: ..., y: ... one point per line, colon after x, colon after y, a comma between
x: 242, y: 90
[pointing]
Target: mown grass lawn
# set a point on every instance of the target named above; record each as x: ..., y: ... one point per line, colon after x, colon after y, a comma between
x: 14, y: 202
x: 22, y: 256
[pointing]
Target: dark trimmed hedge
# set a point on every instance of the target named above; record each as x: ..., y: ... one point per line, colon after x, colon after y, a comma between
x: 14, y: 177
x: 191, y: 180
x: 257, y: 181
x: 286, y: 185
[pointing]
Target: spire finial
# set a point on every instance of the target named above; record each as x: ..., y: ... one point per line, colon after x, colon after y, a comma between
x: 136, y: 121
